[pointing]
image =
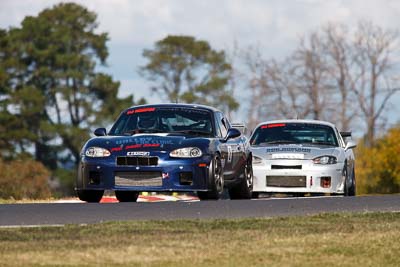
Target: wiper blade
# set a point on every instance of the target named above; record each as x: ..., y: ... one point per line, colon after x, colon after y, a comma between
x: 136, y: 131
x: 321, y: 143
x: 280, y: 142
x: 195, y: 132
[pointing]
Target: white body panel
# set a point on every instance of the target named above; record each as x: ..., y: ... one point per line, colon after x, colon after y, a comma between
x: 312, y: 173
x: 286, y: 160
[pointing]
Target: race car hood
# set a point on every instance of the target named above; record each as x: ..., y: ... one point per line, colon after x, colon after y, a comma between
x: 147, y: 142
x: 293, y: 152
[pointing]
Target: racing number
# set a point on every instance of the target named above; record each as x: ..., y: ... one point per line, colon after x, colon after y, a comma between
x: 229, y: 153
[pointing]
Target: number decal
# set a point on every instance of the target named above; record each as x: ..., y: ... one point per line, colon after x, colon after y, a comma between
x: 229, y: 154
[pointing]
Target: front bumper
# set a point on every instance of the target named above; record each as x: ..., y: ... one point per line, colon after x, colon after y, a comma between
x: 311, y: 172
x: 103, y: 174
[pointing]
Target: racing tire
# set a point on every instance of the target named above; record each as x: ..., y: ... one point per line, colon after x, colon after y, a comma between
x: 127, y: 196
x: 350, y: 190
x: 91, y: 196
x: 349, y: 185
x: 215, y: 182
x: 244, y: 189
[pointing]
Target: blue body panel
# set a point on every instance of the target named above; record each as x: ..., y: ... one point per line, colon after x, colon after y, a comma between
x: 171, y: 167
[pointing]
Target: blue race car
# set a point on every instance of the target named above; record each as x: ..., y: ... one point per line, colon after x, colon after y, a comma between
x: 166, y: 147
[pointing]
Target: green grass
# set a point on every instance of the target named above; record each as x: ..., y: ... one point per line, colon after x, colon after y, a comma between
x: 370, y: 239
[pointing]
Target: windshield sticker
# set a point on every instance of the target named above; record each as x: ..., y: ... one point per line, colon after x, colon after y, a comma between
x: 187, y: 110
x: 140, y: 110
x: 273, y: 125
x: 288, y: 149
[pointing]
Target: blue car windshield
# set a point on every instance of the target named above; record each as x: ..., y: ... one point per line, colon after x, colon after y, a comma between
x: 179, y: 120
x: 294, y: 133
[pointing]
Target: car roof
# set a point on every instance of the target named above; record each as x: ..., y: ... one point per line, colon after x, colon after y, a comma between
x: 176, y: 105
x: 297, y: 121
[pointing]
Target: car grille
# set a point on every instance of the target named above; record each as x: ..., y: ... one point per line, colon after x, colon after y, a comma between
x: 137, y: 161
x: 284, y: 167
x: 286, y: 181
x: 138, y: 179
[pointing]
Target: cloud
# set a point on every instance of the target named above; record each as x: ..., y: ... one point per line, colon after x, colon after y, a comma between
x: 274, y: 25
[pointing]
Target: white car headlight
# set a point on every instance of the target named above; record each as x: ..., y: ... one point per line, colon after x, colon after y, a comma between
x: 97, y: 152
x: 325, y: 160
x: 257, y: 160
x: 186, y: 152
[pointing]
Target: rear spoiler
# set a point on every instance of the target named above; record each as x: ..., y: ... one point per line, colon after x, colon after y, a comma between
x: 345, y: 134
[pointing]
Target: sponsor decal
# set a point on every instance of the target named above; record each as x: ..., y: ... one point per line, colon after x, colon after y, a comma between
x: 141, y: 146
x: 116, y: 149
x: 140, y: 110
x: 144, y: 140
x: 288, y: 149
x: 151, y: 145
x: 138, y: 153
x: 133, y: 146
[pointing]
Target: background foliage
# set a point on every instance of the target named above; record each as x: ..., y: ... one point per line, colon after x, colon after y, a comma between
x: 24, y: 179
x: 377, y: 167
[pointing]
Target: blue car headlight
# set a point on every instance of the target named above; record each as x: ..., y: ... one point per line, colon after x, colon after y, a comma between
x: 186, y: 152
x: 325, y: 160
x: 97, y: 152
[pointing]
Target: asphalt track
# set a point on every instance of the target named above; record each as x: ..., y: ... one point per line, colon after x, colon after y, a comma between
x: 86, y: 213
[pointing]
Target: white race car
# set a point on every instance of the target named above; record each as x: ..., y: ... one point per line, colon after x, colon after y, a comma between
x: 302, y: 156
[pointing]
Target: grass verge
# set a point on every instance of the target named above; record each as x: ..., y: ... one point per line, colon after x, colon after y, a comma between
x: 370, y: 239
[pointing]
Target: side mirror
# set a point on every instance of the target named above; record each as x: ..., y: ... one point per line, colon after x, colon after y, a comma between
x: 350, y: 144
x: 232, y: 133
x: 345, y: 134
x: 100, y: 132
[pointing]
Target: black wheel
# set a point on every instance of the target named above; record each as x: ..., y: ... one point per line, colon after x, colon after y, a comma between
x: 127, y: 196
x: 244, y: 189
x: 215, y: 181
x: 90, y: 195
x: 255, y: 194
x: 350, y: 184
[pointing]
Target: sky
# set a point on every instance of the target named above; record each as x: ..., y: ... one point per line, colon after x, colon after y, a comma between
x: 273, y: 25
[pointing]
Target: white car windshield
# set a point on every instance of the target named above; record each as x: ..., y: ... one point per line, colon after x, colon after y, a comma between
x: 294, y: 133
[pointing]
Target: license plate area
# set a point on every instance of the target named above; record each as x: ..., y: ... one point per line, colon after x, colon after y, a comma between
x: 286, y: 181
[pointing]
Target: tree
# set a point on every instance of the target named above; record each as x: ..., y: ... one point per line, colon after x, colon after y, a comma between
x: 374, y: 80
x: 326, y: 75
x: 339, y: 52
x: 297, y: 87
x: 188, y: 70
x: 54, y: 88
x: 17, y: 105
